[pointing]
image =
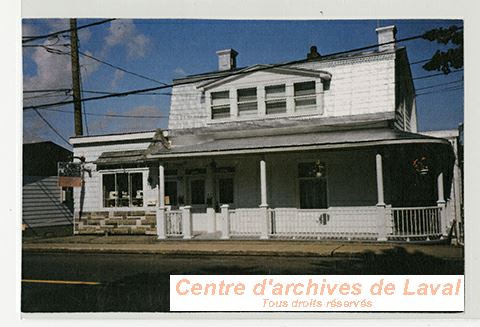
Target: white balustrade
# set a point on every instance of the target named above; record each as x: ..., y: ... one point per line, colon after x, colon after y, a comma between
x: 173, y: 223
x: 416, y: 222
x: 332, y: 223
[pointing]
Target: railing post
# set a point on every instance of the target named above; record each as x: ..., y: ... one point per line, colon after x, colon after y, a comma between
x: 442, y: 205
x: 264, y: 222
x: 161, y: 223
x: 381, y: 223
x: 187, y: 222
x: 225, y: 222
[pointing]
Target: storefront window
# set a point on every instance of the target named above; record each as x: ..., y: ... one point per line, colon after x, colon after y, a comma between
x: 123, y: 190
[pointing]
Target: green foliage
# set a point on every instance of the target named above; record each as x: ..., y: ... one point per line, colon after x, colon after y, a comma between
x: 450, y: 59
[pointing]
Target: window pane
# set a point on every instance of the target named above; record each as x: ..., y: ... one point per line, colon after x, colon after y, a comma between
x: 221, y: 112
x: 171, y: 193
x: 122, y: 190
x: 136, y: 180
x: 225, y: 188
x: 247, y: 95
x: 305, y: 103
x: 304, y: 88
x: 197, y: 191
x: 249, y: 108
x: 276, y: 107
x: 275, y: 92
x: 109, y: 194
x: 220, y: 98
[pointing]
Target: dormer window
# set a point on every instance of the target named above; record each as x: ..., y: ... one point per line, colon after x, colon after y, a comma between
x: 305, y: 96
x: 275, y: 99
x: 220, y: 105
x: 247, y: 101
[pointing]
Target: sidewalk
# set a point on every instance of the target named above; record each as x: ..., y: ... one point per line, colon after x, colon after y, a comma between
x: 150, y: 245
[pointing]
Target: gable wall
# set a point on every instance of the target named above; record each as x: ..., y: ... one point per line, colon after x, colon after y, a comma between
x: 358, y: 86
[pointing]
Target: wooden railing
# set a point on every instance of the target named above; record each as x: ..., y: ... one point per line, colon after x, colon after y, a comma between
x: 416, y: 223
x: 245, y: 222
x: 173, y: 220
x: 331, y: 223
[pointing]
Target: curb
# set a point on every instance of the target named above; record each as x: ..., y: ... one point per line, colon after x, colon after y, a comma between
x: 185, y: 252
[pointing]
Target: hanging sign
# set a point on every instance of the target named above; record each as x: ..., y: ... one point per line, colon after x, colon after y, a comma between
x: 69, y: 174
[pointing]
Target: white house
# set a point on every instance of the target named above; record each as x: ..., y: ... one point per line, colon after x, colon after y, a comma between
x: 325, y: 147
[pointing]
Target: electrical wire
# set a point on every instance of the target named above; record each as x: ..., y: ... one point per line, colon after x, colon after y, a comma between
x: 121, y: 69
x: 39, y: 37
x: 51, y: 127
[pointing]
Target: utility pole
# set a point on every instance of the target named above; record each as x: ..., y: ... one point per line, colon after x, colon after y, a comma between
x: 76, y: 78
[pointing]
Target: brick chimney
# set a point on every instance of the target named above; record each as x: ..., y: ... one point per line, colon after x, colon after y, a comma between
x: 227, y: 59
x: 386, y: 34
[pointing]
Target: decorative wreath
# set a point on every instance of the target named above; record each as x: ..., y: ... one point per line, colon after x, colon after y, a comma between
x: 421, y: 165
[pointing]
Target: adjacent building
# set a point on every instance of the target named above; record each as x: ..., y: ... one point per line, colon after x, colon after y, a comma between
x: 47, y: 208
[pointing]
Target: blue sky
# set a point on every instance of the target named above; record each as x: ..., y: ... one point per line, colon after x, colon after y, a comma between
x: 167, y: 49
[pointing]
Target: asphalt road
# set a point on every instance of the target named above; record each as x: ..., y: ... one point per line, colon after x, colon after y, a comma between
x: 140, y: 283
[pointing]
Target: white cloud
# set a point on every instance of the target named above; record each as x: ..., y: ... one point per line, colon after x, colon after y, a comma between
x: 117, y: 77
x: 123, y: 33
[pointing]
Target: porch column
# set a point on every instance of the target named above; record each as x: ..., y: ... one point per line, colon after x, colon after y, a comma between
x: 160, y: 214
x: 442, y: 204
x: 264, y: 205
x: 263, y: 183
x: 381, y: 208
x: 380, y: 196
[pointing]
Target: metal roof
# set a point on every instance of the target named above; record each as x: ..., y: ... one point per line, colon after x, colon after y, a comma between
x: 305, y: 141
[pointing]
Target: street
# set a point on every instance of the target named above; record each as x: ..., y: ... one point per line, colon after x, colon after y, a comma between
x: 67, y: 282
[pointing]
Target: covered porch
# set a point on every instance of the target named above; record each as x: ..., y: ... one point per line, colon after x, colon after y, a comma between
x: 392, y: 187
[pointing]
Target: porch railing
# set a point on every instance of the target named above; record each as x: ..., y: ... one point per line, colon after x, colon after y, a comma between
x: 416, y: 222
x: 245, y: 222
x: 331, y: 223
x: 173, y: 220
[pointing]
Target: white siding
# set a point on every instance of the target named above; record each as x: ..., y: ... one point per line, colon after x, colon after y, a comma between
x: 358, y: 86
x: 93, y: 182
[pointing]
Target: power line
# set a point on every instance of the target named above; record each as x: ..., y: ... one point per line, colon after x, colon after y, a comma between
x: 121, y: 69
x: 441, y: 84
x: 51, y: 127
x: 38, y: 37
x: 109, y: 115
x: 448, y: 89
x: 241, y: 72
x: 47, y: 90
x: 438, y: 74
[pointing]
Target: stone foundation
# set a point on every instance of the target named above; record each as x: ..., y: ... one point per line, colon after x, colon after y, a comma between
x: 116, y: 222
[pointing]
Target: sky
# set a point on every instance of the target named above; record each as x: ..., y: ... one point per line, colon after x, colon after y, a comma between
x: 166, y: 49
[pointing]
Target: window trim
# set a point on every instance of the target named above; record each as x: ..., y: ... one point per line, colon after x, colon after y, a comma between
x: 128, y: 171
x: 247, y: 113
x: 277, y: 99
x: 291, y: 109
x: 228, y: 105
x: 307, y: 108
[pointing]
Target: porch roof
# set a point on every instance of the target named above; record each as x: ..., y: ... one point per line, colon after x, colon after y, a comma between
x: 293, y: 142
x: 121, y: 157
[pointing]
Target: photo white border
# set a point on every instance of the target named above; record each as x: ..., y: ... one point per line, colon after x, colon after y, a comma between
x: 227, y: 9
